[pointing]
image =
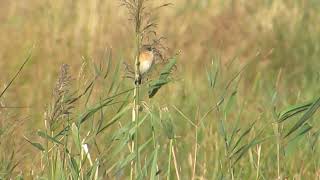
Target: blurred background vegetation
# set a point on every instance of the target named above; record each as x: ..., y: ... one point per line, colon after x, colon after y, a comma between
x: 282, y: 36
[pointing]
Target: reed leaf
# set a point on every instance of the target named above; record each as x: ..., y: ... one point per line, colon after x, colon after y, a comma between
x: 307, y: 115
x: 155, y: 85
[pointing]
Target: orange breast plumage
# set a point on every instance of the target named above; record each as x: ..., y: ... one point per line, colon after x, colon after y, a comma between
x: 146, y: 61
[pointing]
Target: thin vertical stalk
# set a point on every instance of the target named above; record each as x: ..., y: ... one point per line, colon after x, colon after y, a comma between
x: 195, y: 154
x: 175, y: 163
x: 169, y: 160
x: 258, y: 161
x: 135, y: 109
x: 278, y: 150
x: 227, y: 154
x: 278, y: 130
x: 230, y: 168
x: 155, y: 143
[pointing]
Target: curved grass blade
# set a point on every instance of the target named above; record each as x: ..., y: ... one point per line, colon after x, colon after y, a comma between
x: 115, y: 118
x: 235, y: 128
x: 114, y: 77
x: 245, y: 148
x: 16, y: 75
x: 310, y: 112
x: 109, y: 65
x: 35, y: 144
x: 86, y: 115
x: 74, y: 168
x: 131, y: 156
x: 292, y: 111
x: 154, y: 170
x: 303, y: 130
x: 230, y: 103
x: 212, y: 74
x: 245, y: 133
x: 46, y: 136
x: 155, y: 85
x: 93, y: 110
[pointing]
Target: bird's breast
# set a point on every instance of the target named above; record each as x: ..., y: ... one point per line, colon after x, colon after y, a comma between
x: 145, y: 66
x: 146, y: 60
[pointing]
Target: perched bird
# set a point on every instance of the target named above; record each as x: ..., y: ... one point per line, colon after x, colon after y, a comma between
x: 146, y: 59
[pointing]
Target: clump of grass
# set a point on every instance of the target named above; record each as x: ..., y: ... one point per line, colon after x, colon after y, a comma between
x: 9, y: 126
x: 141, y: 16
x: 60, y: 160
x: 61, y: 103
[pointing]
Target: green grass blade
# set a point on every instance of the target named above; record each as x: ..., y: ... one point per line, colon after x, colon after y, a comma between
x: 153, y: 171
x: 230, y: 103
x: 35, y: 144
x: 235, y: 128
x: 109, y: 64
x: 132, y: 156
x: 310, y: 112
x: 114, y: 77
x: 245, y: 148
x: 74, y: 168
x: 303, y: 130
x: 76, y: 136
x: 86, y: 115
x: 15, y: 76
x: 292, y: 111
x: 114, y: 119
x: 46, y: 136
x: 244, y: 134
x: 155, y: 85
x: 212, y: 77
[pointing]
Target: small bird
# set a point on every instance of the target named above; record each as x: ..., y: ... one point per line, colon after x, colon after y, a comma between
x: 146, y: 59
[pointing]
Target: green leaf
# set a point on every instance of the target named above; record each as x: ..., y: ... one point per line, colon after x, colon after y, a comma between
x: 168, y: 127
x: 292, y: 111
x: 92, y: 173
x: 307, y: 115
x: 74, y: 168
x: 132, y: 156
x: 96, y: 69
x: 155, y: 85
x: 304, y: 129
x: 245, y: 133
x: 58, y: 168
x: 115, y: 118
x: 222, y: 130
x: 109, y: 59
x: 230, y: 103
x: 148, y: 162
x: 46, y: 136
x: 235, y: 128
x: 133, y: 129
x: 76, y: 136
x: 86, y: 115
x: 114, y: 77
x: 124, y: 135
x: 153, y: 173
x: 211, y: 75
x: 245, y: 148
x: 35, y: 144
